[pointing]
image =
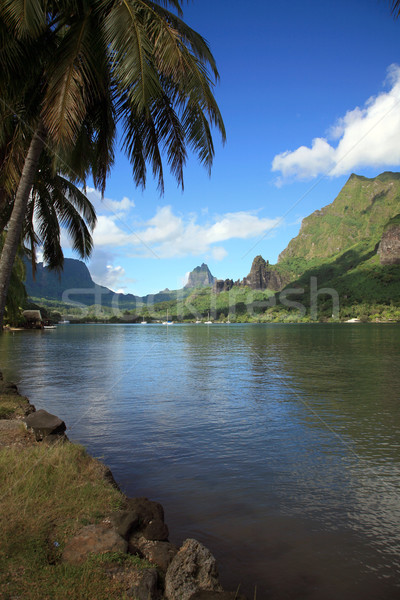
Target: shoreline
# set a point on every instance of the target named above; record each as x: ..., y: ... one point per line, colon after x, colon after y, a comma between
x: 127, y: 547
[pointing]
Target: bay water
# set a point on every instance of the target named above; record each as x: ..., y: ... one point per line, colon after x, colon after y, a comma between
x: 277, y: 446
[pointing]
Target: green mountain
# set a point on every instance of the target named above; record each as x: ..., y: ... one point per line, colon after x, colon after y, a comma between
x: 74, y: 285
x: 342, y: 245
x: 359, y: 213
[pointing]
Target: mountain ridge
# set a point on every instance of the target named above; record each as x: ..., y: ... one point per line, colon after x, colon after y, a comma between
x: 337, y: 244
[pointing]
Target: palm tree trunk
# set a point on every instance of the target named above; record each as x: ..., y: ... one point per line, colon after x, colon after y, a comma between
x: 15, y: 224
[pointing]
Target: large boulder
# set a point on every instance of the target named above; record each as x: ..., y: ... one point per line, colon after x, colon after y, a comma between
x: 156, y: 531
x: 150, y: 524
x: 44, y: 424
x: 93, y: 539
x: 146, y: 509
x: 193, y: 569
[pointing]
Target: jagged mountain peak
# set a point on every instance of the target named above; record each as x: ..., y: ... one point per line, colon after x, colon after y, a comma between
x: 200, y: 277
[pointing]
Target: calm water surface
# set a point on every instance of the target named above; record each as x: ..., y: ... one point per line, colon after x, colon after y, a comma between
x: 278, y: 446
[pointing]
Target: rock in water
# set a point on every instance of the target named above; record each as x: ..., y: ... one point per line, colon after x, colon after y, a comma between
x: 193, y: 569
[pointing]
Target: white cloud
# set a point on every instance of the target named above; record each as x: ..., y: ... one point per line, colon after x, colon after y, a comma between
x: 167, y: 235
x: 219, y: 253
x: 109, y: 233
x: 118, y: 208
x: 367, y: 137
x: 105, y: 273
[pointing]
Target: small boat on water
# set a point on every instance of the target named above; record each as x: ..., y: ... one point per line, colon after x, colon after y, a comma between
x: 143, y: 322
x: 167, y: 322
x: 208, y: 322
x: 49, y: 326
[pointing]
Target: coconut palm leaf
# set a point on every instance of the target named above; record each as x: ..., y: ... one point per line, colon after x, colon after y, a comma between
x: 92, y: 64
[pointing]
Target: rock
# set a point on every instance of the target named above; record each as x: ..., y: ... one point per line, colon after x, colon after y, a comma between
x: 217, y: 596
x: 43, y: 424
x: 93, y: 539
x: 159, y: 553
x: 140, y: 584
x: 389, y: 247
x: 124, y: 522
x: 145, y: 586
x: 263, y: 276
x: 147, y: 510
x: 221, y: 285
x: 151, y: 524
x: 193, y: 569
x: 156, y: 530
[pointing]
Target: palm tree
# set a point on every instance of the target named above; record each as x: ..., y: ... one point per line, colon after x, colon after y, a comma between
x: 98, y: 63
x: 16, y: 292
x: 55, y: 203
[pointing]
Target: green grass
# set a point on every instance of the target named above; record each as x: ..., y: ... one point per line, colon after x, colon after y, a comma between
x: 47, y: 494
x: 12, y: 406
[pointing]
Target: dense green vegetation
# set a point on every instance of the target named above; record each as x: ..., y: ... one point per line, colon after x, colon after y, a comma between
x: 359, y: 213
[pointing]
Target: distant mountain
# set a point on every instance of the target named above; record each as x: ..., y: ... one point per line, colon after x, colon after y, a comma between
x: 200, y: 277
x: 73, y: 285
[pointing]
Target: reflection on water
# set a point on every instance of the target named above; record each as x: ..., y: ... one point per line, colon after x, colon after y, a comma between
x: 275, y: 445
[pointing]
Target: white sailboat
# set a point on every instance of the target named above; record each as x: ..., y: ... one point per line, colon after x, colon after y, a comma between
x: 167, y: 322
x: 208, y: 322
x: 143, y: 322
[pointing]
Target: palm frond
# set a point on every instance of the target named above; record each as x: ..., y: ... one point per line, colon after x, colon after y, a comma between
x: 25, y: 17
x: 67, y: 192
x: 395, y: 8
x: 198, y: 133
x: 48, y: 228
x: 131, y: 53
x: 77, y: 230
x: 72, y: 81
x: 164, y: 24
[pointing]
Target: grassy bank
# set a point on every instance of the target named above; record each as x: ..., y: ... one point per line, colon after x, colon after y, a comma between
x: 48, y: 492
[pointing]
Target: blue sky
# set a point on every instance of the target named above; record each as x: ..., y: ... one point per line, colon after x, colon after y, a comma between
x: 309, y: 92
